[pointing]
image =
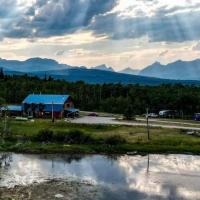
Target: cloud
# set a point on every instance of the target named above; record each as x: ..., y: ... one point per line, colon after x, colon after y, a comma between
x: 196, y: 47
x: 60, y: 53
x: 54, y: 17
x: 7, y: 7
x: 163, y: 53
x: 179, y: 27
x: 158, y: 21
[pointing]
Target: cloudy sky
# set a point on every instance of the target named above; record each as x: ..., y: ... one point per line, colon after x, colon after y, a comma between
x: 119, y: 33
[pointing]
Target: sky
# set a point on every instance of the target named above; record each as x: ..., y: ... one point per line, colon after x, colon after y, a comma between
x: 118, y: 33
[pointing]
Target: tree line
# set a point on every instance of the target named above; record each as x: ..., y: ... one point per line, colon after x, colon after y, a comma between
x: 113, y: 98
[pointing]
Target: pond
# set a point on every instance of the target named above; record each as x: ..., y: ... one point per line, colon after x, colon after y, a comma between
x: 123, y: 177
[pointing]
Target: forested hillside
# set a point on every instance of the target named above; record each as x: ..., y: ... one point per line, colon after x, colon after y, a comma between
x: 115, y: 98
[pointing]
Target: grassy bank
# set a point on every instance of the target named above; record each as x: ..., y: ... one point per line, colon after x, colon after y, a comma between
x: 43, y: 136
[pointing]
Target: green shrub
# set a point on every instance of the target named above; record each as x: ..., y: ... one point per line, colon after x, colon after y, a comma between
x: 78, y: 137
x: 115, y: 140
x: 60, y: 136
x: 129, y: 113
x: 44, y: 135
x: 74, y: 136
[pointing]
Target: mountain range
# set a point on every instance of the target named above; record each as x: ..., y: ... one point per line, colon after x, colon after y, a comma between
x: 154, y: 74
x: 31, y: 65
x: 180, y: 70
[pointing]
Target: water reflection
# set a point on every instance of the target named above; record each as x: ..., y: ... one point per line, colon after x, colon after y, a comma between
x: 122, y: 177
x: 5, y: 160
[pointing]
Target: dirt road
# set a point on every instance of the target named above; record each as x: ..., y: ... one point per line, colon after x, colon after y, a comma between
x: 154, y: 123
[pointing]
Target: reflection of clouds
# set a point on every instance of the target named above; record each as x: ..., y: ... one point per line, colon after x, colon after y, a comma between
x: 167, y: 177
x: 171, y: 175
x: 137, y: 176
x: 188, y: 194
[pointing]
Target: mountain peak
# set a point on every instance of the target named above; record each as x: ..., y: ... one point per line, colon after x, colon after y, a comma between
x: 156, y: 63
x: 103, y: 67
x: 32, y: 64
x: 41, y: 60
x: 130, y: 70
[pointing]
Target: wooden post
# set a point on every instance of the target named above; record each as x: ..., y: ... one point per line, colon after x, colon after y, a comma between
x: 148, y: 163
x: 52, y: 113
x: 147, y: 117
x: 5, y: 122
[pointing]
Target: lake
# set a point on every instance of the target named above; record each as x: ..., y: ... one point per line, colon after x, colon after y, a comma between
x: 122, y: 177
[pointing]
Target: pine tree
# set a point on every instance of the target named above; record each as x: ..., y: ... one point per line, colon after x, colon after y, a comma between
x: 45, y: 77
x: 129, y: 113
x: 1, y: 73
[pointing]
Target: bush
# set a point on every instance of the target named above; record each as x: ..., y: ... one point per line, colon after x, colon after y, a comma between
x: 77, y: 137
x: 115, y: 140
x: 44, y: 135
x: 129, y: 113
x: 59, y: 136
x: 74, y: 136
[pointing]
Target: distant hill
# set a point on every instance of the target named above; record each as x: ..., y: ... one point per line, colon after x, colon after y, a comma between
x: 31, y: 65
x: 180, y: 70
x: 104, y: 68
x: 41, y: 67
x: 94, y: 76
x: 129, y: 70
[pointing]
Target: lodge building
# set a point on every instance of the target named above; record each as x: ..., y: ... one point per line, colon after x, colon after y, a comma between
x: 45, y: 105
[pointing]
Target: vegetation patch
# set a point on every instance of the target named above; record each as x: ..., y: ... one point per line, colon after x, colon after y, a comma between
x: 43, y: 136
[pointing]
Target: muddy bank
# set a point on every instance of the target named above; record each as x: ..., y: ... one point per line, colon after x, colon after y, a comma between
x: 52, y: 190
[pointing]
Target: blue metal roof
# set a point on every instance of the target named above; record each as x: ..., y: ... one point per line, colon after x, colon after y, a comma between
x: 12, y: 108
x: 46, y: 99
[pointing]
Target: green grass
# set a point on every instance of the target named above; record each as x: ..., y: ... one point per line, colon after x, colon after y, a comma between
x: 22, y: 134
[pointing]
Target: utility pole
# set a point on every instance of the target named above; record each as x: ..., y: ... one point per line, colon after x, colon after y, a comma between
x: 148, y: 163
x: 147, y: 117
x: 5, y: 122
x: 52, y: 114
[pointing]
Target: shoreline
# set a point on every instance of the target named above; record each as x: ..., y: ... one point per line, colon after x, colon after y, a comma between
x: 52, y: 189
x: 126, y: 149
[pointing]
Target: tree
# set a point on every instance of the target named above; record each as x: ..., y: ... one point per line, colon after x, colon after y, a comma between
x: 129, y: 113
x: 1, y: 73
x: 2, y: 101
x: 45, y: 77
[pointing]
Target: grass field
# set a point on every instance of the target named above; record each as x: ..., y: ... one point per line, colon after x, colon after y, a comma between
x: 27, y: 137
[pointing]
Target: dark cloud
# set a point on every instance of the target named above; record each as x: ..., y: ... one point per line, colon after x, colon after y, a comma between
x: 171, y: 28
x: 56, y: 17
x: 7, y: 8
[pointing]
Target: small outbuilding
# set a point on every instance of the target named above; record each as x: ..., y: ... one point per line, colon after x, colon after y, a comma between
x: 46, y: 105
x: 13, y: 110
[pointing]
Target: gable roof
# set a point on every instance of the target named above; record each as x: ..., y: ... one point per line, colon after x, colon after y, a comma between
x: 46, y: 99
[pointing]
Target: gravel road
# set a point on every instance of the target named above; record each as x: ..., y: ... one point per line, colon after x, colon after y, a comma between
x: 113, y: 121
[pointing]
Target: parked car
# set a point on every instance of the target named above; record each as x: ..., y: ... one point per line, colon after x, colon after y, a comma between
x: 93, y: 115
x: 168, y: 113
x: 153, y: 115
x: 196, y: 117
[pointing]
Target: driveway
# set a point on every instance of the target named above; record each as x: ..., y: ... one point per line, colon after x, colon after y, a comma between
x: 113, y: 121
